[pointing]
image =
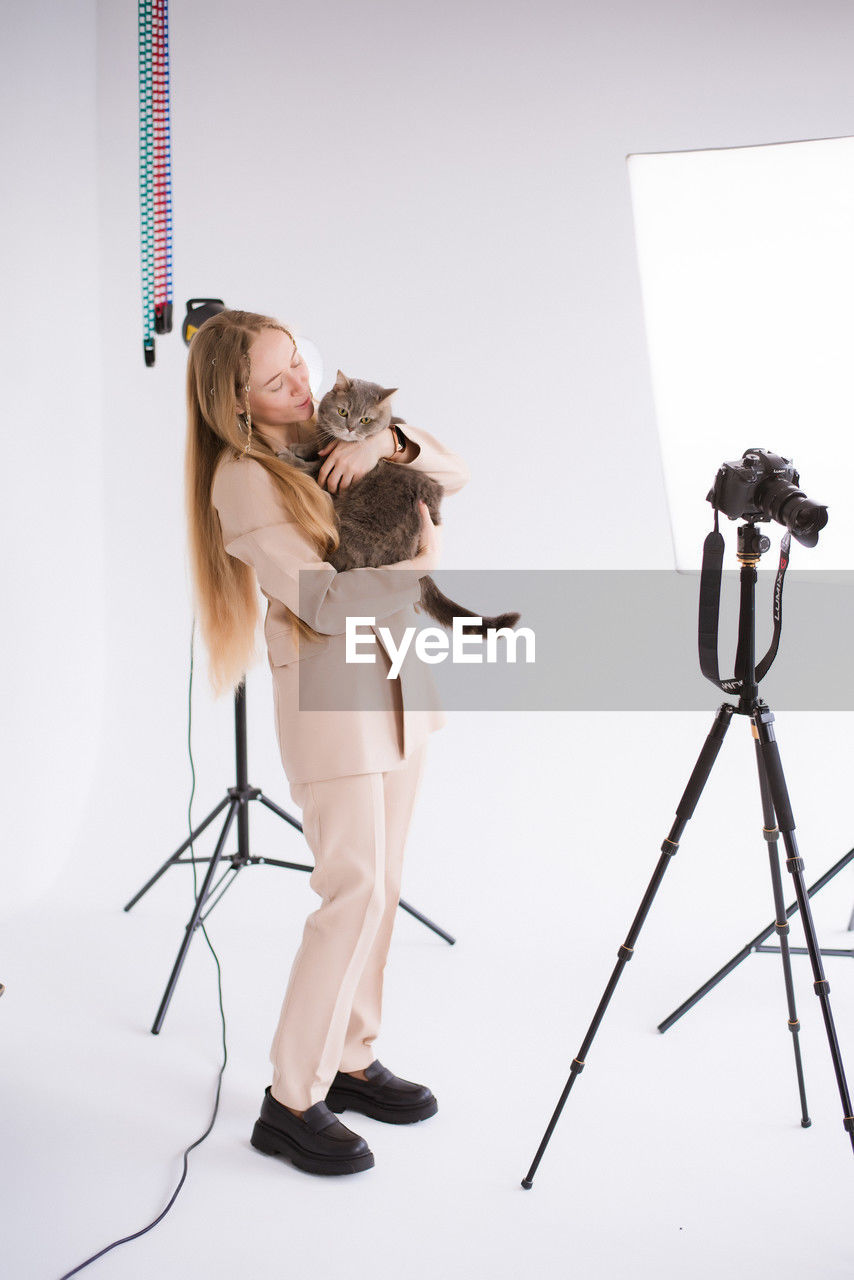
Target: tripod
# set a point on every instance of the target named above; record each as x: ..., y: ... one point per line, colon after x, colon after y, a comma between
x: 237, y: 799
x: 778, y: 821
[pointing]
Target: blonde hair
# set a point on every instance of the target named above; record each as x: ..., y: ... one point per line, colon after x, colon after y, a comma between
x: 224, y: 588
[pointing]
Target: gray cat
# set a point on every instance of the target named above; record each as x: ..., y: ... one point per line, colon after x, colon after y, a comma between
x: 378, y: 514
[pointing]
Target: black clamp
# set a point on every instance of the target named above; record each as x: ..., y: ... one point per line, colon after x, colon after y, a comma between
x: 163, y: 317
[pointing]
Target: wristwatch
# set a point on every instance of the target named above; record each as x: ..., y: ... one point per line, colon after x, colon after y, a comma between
x: 400, y: 440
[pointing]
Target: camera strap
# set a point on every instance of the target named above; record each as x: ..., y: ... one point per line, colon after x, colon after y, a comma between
x: 710, y: 603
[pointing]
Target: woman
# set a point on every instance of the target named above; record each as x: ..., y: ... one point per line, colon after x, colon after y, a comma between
x: 354, y: 766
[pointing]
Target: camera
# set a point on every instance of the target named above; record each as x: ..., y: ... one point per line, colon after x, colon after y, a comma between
x: 764, y: 486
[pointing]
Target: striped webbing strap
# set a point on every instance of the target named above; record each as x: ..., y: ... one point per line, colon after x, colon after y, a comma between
x: 155, y: 173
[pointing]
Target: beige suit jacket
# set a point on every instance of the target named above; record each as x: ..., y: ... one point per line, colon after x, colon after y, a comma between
x: 380, y: 721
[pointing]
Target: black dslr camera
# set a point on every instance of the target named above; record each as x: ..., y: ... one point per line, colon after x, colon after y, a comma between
x: 764, y: 486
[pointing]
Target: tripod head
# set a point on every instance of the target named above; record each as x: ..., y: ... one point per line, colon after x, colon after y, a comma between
x: 752, y: 543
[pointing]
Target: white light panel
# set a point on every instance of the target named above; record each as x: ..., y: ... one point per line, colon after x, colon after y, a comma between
x: 746, y: 261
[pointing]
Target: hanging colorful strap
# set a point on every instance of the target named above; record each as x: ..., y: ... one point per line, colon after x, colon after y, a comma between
x: 155, y: 173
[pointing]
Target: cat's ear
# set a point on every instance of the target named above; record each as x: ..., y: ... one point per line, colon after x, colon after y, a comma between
x: 385, y: 393
x: 342, y: 382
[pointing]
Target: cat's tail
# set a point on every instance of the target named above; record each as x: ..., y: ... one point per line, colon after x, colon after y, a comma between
x: 444, y: 610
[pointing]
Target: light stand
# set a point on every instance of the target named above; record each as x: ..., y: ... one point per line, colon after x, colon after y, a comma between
x: 237, y: 801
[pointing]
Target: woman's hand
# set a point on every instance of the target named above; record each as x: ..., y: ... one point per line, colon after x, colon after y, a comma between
x: 430, y: 545
x: 349, y: 460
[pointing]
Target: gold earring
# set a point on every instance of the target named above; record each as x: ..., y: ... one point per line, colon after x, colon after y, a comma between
x: 248, y: 420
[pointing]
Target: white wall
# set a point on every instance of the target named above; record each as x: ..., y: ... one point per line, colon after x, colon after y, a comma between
x: 438, y: 196
x: 51, y: 480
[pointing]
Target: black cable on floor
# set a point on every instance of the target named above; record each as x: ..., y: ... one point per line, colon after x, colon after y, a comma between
x: 160, y: 1216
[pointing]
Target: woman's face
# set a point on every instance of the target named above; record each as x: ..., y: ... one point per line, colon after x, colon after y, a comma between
x: 279, y: 392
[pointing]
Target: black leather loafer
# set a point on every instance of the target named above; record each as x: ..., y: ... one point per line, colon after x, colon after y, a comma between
x: 314, y: 1141
x: 383, y: 1096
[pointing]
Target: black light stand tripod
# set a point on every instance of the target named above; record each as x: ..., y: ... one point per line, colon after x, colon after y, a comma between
x: 775, y: 804
x: 237, y: 799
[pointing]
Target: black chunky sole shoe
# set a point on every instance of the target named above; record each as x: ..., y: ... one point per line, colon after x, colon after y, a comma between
x: 315, y: 1141
x: 383, y: 1096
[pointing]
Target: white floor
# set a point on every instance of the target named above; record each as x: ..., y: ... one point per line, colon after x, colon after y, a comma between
x: 677, y: 1155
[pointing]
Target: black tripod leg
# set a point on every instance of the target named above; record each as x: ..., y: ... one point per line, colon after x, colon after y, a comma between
x: 194, y: 918
x: 282, y: 813
x: 425, y: 920
x: 771, y: 833
x: 755, y: 944
x: 194, y: 835
x: 685, y: 809
x: 763, y: 720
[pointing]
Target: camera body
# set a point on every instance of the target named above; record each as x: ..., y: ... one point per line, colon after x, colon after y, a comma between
x: 738, y: 487
x: 764, y: 486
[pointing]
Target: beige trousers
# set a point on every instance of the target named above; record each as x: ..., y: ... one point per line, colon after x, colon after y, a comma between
x: 356, y: 827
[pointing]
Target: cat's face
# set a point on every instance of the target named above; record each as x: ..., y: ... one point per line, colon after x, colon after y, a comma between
x: 354, y: 409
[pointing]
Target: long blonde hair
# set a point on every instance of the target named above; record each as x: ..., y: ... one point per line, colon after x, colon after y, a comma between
x: 224, y: 588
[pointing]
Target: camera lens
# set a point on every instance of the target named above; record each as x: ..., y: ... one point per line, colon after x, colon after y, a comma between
x: 789, y: 506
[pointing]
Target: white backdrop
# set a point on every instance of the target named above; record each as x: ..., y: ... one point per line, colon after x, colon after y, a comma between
x: 440, y: 199
x: 438, y: 196
x: 53, y: 478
